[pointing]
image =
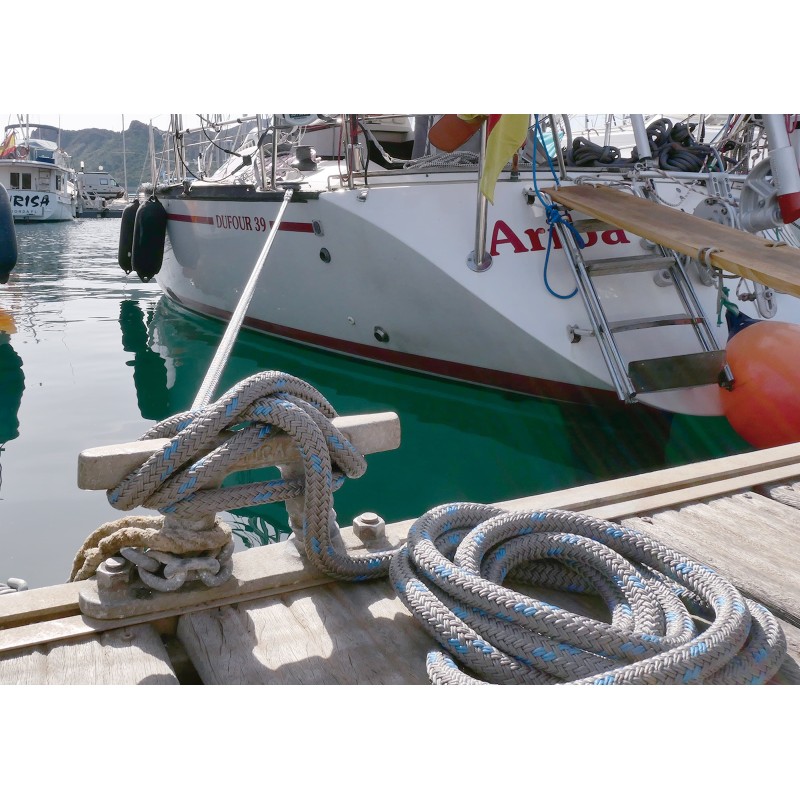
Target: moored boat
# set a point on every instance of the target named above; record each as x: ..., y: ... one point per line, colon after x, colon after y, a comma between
x: 405, y: 260
x: 37, y: 174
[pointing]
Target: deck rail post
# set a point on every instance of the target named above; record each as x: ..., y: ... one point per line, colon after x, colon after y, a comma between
x: 479, y: 260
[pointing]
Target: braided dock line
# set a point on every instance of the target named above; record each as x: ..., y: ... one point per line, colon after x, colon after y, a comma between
x: 145, y: 532
x: 788, y: 494
x: 450, y: 576
x: 182, y: 479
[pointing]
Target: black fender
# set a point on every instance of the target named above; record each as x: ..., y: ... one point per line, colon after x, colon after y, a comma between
x: 8, y: 236
x: 149, y: 235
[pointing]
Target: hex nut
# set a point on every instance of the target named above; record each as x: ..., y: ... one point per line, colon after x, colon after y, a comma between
x: 368, y: 526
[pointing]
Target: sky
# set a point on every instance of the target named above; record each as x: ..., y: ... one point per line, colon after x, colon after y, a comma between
x: 434, y: 62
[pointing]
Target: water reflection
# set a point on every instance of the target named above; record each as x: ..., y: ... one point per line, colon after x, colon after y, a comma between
x: 12, y: 384
x: 149, y: 368
x: 458, y: 442
x: 105, y: 357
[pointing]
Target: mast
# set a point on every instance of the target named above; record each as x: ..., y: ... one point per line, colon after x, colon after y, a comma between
x: 152, y: 157
x: 124, y: 160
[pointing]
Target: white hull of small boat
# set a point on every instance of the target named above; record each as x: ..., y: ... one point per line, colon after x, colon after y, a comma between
x: 41, y: 206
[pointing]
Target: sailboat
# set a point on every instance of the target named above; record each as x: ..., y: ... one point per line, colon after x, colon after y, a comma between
x: 604, y: 281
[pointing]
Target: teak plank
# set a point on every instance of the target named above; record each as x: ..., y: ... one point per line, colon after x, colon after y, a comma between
x: 753, y: 257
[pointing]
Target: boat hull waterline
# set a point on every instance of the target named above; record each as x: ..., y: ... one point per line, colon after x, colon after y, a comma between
x: 382, y: 274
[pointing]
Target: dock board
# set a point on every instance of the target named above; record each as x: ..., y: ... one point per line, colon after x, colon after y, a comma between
x: 281, y: 622
x: 752, y: 257
x: 130, y: 655
x: 335, y: 634
x: 743, y: 537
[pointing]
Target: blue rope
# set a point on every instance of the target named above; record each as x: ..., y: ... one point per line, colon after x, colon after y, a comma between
x: 552, y: 214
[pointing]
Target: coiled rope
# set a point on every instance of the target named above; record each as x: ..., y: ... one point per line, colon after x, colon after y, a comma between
x: 458, y: 158
x: 672, y: 147
x: 182, y: 479
x: 450, y: 574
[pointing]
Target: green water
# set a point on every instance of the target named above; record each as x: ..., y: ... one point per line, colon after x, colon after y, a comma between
x: 90, y: 356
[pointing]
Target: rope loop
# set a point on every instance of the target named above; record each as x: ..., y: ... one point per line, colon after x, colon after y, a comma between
x: 451, y: 573
x: 704, y: 255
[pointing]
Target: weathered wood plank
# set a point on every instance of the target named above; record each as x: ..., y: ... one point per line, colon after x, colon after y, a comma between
x: 131, y: 655
x: 751, y: 540
x: 104, y: 467
x: 742, y: 253
x: 605, y: 497
x: 634, y: 494
x: 345, y: 633
x: 784, y: 492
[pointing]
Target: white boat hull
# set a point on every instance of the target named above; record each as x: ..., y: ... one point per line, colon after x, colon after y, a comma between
x: 29, y: 206
x: 382, y: 274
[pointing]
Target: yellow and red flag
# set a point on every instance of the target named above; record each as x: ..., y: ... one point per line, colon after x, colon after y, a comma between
x: 505, y: 134
x: 9, y: 145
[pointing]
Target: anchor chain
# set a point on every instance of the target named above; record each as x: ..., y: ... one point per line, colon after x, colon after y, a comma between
x: 213, y: 569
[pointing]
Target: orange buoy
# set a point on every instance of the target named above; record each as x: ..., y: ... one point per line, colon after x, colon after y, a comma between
x: 450, y: 132
x: 763, y: 406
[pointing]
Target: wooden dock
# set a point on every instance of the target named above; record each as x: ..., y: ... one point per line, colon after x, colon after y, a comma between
x: 278, y: 621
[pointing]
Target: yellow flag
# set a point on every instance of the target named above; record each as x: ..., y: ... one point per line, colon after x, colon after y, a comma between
x: 505, y: 134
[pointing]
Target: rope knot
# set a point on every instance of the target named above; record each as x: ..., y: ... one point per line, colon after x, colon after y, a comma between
x: 183, y: 479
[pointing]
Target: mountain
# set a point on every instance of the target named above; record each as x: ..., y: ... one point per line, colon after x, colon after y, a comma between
x: 97, y: 147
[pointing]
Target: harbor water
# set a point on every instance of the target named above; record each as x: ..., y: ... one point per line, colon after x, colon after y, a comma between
x: 90, y: 356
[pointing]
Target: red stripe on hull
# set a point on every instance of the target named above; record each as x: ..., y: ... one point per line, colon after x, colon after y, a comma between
x: 482, y: 376
x: 190, y: 218
x: 294, y: 227
x: 297, y: 227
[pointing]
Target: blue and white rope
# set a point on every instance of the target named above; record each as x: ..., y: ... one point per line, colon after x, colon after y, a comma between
x: 181, y: 480
x: 451, y: 572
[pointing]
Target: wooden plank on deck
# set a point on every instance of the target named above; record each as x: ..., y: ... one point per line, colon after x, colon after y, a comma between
x: 749, y: 539
x: 753, y: 257
x: 131, y: 655
x: 341, y: 633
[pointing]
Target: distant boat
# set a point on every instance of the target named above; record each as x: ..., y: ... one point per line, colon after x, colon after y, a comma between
x: 37, y: 174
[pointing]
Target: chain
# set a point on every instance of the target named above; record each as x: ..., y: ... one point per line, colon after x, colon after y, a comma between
x: 167, y: 572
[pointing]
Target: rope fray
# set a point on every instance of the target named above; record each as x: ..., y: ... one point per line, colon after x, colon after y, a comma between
x: 148, y: 532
